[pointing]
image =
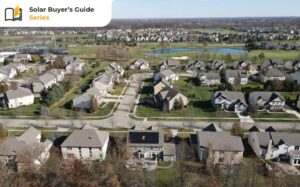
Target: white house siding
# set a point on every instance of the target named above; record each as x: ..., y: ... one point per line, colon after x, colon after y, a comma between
x: 3, y: 77
x: 22, y: 101
x: 146, y: 152
x: 50, y: 84
x: 86, y: 152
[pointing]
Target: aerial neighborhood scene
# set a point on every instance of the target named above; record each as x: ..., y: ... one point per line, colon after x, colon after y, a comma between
x: 182, y: 96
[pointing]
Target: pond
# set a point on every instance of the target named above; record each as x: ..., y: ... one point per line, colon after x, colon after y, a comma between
x: 198, y: 50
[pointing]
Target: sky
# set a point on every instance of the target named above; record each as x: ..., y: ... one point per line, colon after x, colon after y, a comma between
x: 123, y: 9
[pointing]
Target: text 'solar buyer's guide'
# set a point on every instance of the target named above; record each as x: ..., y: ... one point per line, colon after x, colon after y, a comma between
x: 55, y: 13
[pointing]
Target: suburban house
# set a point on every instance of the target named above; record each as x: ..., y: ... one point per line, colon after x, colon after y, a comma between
x: 160, y: 85
x: 167, y: 74
x: 195, y: 66
x: 27, y: 150
x: 11, y: 70
x: 19, y: 67
x: 276, y: 146
x: 271, y: 64
x: 116, y: 69
x: 87, y: 99
x: 71, y: 60
x: 104, y: 83
x: 292, y: 65
x: 294, y: 77
x: 18, y: 97
x: 169, y: 64
x: 228, y: 100
x: 22, y: 58
x: 236, y: 77
x: 209, y: 79
x: 217, y: 65
x: 266, y: 101
x: 101, y: 86
x: 48, y: 58
x: 271, y: 75
x: 140, y: 64
x: 221, y: 147
x: 47, y: 80
x: 86, y: 144
x: 74, y: 65
x: 242, y: 65
x: 7, y: 73
x: 169, y: 99
x: 149, y: 145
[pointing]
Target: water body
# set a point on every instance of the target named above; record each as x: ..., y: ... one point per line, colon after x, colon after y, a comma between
x: 198, y: 50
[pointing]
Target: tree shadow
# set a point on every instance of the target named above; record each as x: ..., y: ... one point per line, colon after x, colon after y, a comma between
x: 205, y: 105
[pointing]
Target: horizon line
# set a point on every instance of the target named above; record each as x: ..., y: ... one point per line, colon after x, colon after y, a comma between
x: 206, y: 17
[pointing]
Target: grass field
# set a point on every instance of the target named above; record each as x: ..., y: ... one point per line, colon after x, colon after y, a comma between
x: 30, y: 111
x: 33, y: 111
x: 278, y: 115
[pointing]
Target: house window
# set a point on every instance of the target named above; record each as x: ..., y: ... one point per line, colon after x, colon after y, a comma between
x: 69, y: 155
x: 221, y: 159
x: 297, y: 147
x: 80, y: 153
x: 69, y: 148
x: 295, y: 161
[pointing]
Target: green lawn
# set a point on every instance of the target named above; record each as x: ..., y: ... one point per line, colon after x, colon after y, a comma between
x: 30, y: 111
x: 118, y: 88
x: 62, y: 112
x: 194, y: 93
x: 278, y: 115
x: 59, y: 112
x: 190, y: 111
x: 82, y: 83
x: 199, y: 106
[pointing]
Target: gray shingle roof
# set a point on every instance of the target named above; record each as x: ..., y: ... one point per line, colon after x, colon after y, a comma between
x: 287, y: 138
x: 86, y: 138
x: 210, y: 75
x: 195, y: 64
x: 17, y: 93
x: 231, y: 95
x: 16, y: 145
x: 220, y: 141
x: 46, y: 78
x: 173, y: 62
x: 167, y: 73
x: 236, y: 73
x: 277, y: 138
x: 266, y: 96
x: 272, y: 73
x: 30, y: 135
x: 168, y: 93
x: 241, y: 64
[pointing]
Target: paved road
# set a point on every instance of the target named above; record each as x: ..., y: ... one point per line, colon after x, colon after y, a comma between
x: 121, y: 119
